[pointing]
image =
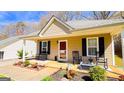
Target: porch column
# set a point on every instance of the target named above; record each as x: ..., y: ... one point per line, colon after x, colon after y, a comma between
x: 113, y: 51
x: 122, y: 42
x: 23, y: 58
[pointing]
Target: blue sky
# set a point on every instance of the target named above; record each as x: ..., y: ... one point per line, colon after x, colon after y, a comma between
x: 30, y: 16
x: 15, y: 16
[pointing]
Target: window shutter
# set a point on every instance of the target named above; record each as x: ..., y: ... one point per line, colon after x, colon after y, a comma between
x: 101, y: 47
x: 40, y: 47
x: 84, y: 47
x: 48, y: 47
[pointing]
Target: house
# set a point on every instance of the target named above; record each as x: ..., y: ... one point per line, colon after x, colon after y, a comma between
x: 2, y: 36
x: 10, y: 46
x: 59, y: 39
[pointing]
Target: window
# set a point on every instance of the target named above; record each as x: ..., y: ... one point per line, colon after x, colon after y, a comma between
x: 44, y: 46
x: 92, y: 46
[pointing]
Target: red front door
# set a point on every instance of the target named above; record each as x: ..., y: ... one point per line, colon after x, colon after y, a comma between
x: 62, y: 52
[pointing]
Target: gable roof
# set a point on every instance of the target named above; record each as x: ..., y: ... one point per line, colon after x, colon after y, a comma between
x: 76, y: 25
x: 51, y: 20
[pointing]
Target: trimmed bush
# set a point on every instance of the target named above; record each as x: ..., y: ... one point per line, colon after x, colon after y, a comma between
x: 27, y: 63
x: 48, y: 78
x: 97, y: 73
x: 20, y: 53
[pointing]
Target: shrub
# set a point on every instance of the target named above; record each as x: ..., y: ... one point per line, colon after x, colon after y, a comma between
x: 18, y: 63
x: 20, y: 53
x: 121, y: 77
x: 70, y: 74
x: 35, y: 65
x: 48, y: 78
x: 27, y: 63
x: 97, y: 73
x: 62, y: 73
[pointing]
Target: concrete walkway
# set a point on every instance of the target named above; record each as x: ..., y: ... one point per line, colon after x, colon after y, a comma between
x: 23, y: 74
x: 115, y: 72
x: 8, y: 62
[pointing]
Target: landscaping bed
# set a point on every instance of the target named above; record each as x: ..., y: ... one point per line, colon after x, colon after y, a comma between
x: 61, y: 76
x: 28, y: 65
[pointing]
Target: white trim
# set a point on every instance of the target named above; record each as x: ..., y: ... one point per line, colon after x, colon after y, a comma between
x: 50, y: 22
x: 113, y: 51
x: 122, y: 42
x: 66, y: 50
x: 97, y: 45
x: 24, y: 49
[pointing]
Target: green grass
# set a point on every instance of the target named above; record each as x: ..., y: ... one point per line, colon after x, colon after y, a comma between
x: 118, y: 61
x: 48, y: 78
x: 2, y: 76
x: 120, y: 67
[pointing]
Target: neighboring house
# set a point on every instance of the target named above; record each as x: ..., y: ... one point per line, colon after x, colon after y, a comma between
x: 10, y: 46
x: 59, y: 39
x: 2, y: 36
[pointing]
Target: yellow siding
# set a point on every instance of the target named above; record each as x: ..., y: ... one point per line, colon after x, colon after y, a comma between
x: 75, y: 44
x: 55, y: 29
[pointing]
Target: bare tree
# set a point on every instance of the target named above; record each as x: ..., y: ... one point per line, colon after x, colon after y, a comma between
x: 63, y: 15
x: 20, y: 28
x: 100, y: 15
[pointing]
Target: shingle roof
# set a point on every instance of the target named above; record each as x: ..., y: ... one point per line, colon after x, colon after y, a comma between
x: 10, y: 40
x: 82, y: 24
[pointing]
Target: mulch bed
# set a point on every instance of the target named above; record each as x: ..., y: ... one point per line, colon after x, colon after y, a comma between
x: 78, y: 77
x: 40, y: 67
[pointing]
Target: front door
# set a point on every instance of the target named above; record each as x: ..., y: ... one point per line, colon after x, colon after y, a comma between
x: 62, y: 50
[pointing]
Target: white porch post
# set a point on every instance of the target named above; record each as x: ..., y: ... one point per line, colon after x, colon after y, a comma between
x: 122, y: 42
x: 23, y: 51
x: 113, y: 51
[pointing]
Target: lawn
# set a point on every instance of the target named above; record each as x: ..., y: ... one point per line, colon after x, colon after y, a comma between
x: 2, y: 76
x: 120, y: 67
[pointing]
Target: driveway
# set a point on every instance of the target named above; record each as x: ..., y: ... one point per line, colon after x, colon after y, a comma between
x: 23, y: 74
x: 8, y: 62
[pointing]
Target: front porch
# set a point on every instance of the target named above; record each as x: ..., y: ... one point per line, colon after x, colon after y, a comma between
x: 58, y: 41
x: 72, y: 44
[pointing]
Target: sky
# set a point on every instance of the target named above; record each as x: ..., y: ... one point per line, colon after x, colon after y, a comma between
x: 16, y: 16
x: 7, y: 17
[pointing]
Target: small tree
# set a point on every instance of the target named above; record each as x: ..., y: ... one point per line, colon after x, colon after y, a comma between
x: 20, y: 53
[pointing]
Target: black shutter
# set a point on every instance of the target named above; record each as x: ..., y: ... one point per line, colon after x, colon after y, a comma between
x: 101, y: 47
x: 48, y: 47
x: 84, y: 47
x: 40, y: 47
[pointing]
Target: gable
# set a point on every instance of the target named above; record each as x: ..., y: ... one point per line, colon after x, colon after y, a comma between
x: 55, y: 29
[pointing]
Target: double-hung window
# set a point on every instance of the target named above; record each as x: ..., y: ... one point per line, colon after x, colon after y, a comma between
x: 92, y: 46
x: 44, y: 46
